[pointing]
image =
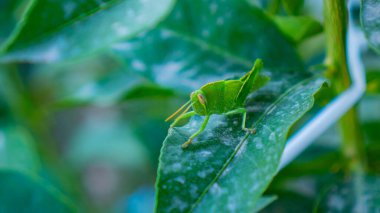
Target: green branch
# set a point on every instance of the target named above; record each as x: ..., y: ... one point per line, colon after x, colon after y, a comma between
x: 335, y: 13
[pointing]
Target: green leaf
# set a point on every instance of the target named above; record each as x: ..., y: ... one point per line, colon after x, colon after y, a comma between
x: 358, y: 194
x: 370, y: 125
x: 208, y: 41
x: 264, y: 202
x: 370, y: 19
x: 293, y: 6
x: 372, y: 136
x: 17, y: 151
x: 19, y: 176
x: 57, y: 30
x: 270, y: 6
x: 298, y: 28
x: 369, y: 108
x: 8, y: 17
x: 373, y: 82
x: 202, y: 42
x: 115, y: 88
x: 35, y: 194
x: 226, y: 169
x: 107, y: 140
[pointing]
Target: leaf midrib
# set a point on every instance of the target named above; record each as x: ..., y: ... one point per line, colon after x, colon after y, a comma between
x: 229, y: 160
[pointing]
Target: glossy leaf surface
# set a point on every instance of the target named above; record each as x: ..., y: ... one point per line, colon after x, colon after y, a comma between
x: 370, y: 18
x: 56, y: 30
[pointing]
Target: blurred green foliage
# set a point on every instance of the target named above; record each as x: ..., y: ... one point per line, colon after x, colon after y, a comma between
x: 85, y: 88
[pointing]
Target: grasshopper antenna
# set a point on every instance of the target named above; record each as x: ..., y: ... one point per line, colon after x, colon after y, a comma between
x: 179, y: 110
x: 187, y: 109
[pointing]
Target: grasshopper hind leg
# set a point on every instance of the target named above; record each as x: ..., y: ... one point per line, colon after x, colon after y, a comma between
x: 243, y: 126
x: 249, y: 130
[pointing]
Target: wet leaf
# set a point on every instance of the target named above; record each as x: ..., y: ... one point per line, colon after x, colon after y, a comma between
x: 373, y: 83
x: 56, y: 30
x: 225, y: 169
x: 370, y: 125
x: 263, y: 202
x: 20, y: 180
x: 17, y: 151
x: 358, y: 194
x: 370, y: 18
x: 204, y: 41
x: 8, y: 17
x: 114, y: 88
x: 293, y: 6
x: 106, y: 140
x: 298, y: 28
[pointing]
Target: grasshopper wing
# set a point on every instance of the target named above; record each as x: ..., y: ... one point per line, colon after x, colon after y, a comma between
x: 248, y: 81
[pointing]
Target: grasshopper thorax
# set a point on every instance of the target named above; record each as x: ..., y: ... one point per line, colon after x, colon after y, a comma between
x: 199, y: 102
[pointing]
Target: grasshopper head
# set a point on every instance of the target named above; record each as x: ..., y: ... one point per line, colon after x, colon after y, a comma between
x: 199, y: 102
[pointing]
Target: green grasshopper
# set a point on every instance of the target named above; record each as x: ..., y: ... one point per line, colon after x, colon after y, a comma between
x: 220, y: 97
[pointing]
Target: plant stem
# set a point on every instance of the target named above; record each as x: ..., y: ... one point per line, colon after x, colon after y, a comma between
x: 335, y: 13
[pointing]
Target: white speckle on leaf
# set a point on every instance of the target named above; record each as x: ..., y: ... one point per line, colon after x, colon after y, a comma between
x: 371, y: 13
x: 131, y: 13
x: 226, y: 171
x: 272, y: 136
x: 176, y: 167
x: 87, y: 91
x: 215, y: 189
x: 201, y: 174
x: 180, y: 179
x: 165, y: 34
x: 120, y: 29
x: 205, y: 33
x: 138, y: 65
x: 231, y: 205
x: 177, y: 204
x: 254, y: 187
x: 194, y: 191
x: 220, y: 21
x: 205, y: 172
x: 242, y: 149
x: 52, y: 54
x: 167, y: 71
x: 213, y: 8
x: 69, y: 8
x: 122, y: 46
x: 375, y: 37
x: 205, y: 153
x: 336, y: 202
x: 258, y: 143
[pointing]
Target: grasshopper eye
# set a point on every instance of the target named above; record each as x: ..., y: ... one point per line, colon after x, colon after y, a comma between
x: 202, y: 99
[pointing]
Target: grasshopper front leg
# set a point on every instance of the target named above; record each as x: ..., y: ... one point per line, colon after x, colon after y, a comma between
x: 204, y: 124
x: 186, y: 115
x: 244, y: 112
